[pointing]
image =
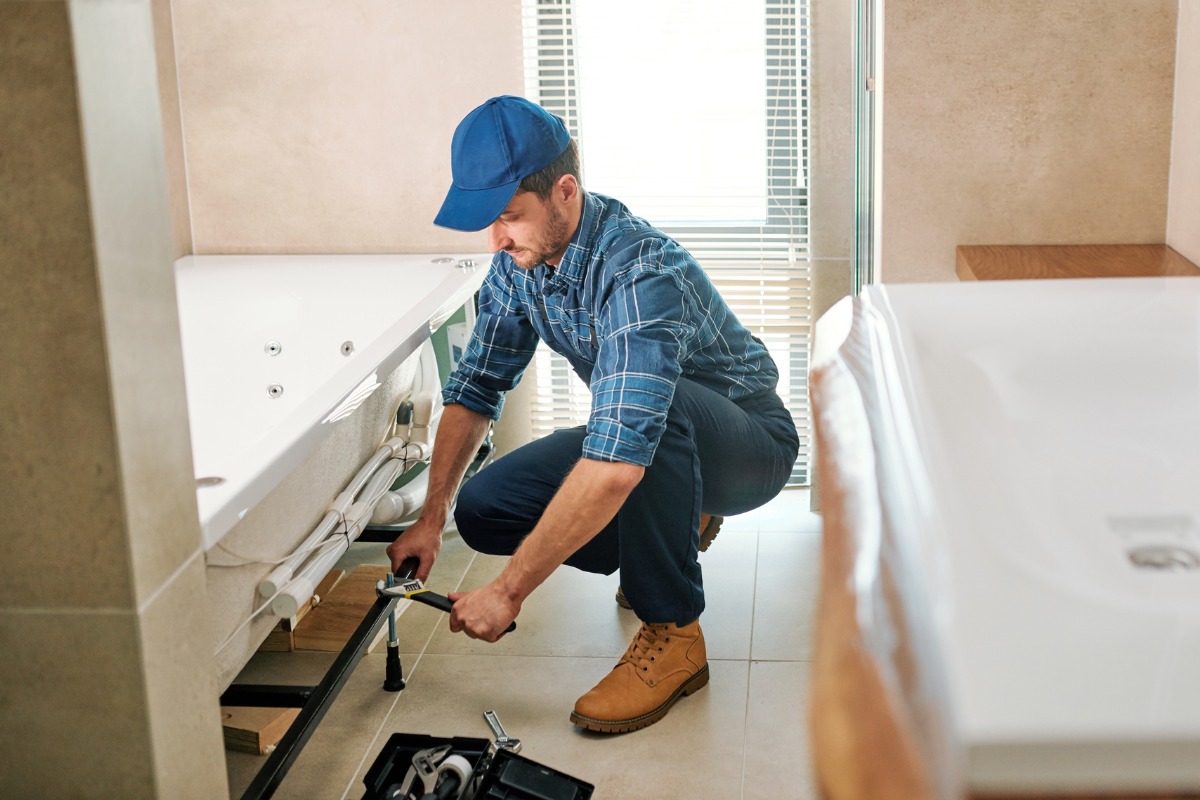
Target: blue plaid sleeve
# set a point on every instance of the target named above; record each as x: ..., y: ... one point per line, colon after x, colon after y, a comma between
x: 499, y: 351
x: 646, y: 337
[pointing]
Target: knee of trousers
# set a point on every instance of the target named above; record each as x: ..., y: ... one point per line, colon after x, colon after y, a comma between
x: 476, y: 520
x: 470, y: 509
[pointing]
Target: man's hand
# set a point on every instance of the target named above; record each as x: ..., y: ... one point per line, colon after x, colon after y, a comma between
x: 484, y: 613
x: 423, y: 541
x: 459, y: 436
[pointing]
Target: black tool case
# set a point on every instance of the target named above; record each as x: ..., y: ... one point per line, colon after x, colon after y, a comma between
x: 499, y: 774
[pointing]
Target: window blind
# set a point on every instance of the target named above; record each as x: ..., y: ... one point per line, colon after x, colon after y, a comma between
x: 695, y: 118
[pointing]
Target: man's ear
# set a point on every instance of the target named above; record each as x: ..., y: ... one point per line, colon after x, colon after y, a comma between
x: 566, y: 187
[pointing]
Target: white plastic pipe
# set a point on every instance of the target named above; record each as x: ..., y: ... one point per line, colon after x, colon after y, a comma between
x: 299, y: 590
x: 398, y: 504
x: 270, y: 585
x: 337, y: 511
x: 424, y: 411
x: 294, y: 595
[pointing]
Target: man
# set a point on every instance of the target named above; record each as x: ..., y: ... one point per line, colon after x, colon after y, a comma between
x: 685, y: 423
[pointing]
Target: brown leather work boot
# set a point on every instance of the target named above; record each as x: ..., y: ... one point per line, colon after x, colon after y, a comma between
x: 709, y: 527
x: 664, y: 662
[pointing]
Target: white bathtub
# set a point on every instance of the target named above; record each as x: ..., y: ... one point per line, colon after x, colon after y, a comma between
x: 278, y: 350
x: 1035, y: 451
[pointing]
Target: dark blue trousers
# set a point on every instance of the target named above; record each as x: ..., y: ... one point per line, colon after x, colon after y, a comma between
x: 716, y: 456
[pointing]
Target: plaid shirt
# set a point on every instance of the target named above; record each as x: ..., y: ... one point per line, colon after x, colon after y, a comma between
x: 631, y: 311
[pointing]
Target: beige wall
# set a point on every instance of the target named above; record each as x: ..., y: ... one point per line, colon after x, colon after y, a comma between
x: 1183, y: 221
x: 325, y: 126
x: 831, y: 151
x: 168, y: 86
x: 106, y: 678
x: 1023, y: 122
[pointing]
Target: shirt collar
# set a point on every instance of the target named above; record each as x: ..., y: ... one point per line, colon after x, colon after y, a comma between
x: 573, y: 267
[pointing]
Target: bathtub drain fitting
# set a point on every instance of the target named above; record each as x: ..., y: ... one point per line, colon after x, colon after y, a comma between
x: 275, y: 390
x: 273, y: 348
x: 1168, y: 558
x: 347, y: 348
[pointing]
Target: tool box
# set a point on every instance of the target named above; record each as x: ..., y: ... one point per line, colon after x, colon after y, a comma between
x: 497, y: 773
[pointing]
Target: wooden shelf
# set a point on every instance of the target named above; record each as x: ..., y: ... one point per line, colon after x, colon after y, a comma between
x: 1025, y: 262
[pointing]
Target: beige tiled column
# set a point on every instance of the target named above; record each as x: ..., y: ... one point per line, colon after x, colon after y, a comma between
x: 831, y: 166
x: 1183, y: 233
x: 106, y: 680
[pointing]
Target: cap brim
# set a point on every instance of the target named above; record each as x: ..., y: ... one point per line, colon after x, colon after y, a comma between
x: 474, y: 209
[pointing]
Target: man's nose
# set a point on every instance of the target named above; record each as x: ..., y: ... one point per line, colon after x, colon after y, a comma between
x: 498, y: 238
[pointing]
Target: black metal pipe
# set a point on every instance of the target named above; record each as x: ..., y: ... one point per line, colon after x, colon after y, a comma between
x: 288, y: 750
x: 261, y: 695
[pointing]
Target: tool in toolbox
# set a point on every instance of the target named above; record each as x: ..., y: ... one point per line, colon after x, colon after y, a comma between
x: 412, y: 589
x: 498, y: 772
x: 503, y: 740
x: 439, y: 774
x: 424, y: 768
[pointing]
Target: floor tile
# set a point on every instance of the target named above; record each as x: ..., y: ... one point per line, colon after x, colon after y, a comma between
x: 729, y: 567
x: 789, y: 510
x: 785, y: 595
x: 696, y: 751
x: 776, y: 764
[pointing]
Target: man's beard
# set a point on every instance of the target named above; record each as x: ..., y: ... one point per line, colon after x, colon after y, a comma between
x: 550, y: 244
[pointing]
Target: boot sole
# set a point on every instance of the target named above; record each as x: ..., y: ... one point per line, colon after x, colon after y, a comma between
x: 709, y: 534
x: 690, y: 686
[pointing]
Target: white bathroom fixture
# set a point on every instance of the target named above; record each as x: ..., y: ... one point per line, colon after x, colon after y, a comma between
x: 1037, y: 447
x: 278, y: 349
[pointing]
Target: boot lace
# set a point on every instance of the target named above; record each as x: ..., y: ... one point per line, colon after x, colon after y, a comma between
x: 645, y: 649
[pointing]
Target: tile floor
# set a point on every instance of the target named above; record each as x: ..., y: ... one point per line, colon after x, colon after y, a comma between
x: 742, y: 736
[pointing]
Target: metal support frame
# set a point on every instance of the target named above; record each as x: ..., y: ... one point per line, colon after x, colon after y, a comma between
x: 312, y: 701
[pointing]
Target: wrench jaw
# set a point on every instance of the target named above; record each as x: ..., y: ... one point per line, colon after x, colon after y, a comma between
x: 503, y: 741
x: 508, y: 743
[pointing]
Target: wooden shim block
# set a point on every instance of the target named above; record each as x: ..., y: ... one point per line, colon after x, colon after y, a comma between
x: 327, y: 584
x: 328, y: 626
x: 255, y: 730
x: 281, y: 638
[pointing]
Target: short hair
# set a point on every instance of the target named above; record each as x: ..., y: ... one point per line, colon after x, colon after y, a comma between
x: 542, y: 181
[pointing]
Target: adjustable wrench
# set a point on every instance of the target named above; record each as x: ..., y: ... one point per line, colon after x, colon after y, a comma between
x: 503, y: 740
x: 412, y: 589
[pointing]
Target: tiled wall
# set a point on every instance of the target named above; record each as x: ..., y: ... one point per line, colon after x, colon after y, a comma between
x: 325, y: 126
x: 1183, y: 220
x: 106, y: 690
x: 1022, y: 122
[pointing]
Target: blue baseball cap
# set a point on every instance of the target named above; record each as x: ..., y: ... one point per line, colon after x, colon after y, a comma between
x: 495, y: 146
